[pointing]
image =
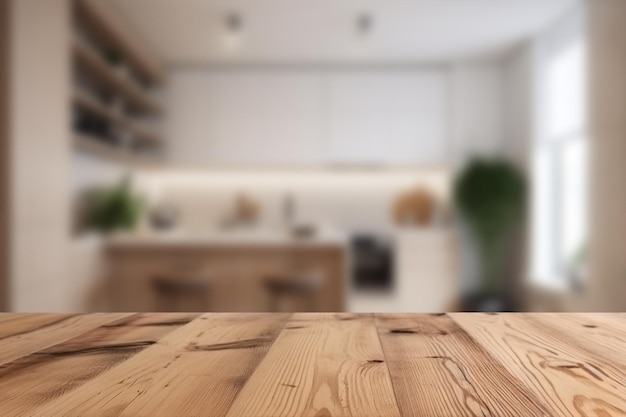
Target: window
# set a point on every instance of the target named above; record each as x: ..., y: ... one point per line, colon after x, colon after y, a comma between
x: 560, y: 166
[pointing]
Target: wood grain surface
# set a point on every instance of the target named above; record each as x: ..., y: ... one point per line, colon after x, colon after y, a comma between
x: 313, y: 364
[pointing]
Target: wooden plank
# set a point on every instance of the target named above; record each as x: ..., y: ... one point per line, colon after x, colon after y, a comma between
x: 551, y: 363
x: 12, y: 316
x: 70, y: 364
x: 157, y: 319
x: 4, y: 317
x: 322, y: 365
x: 439, y: 371
x: 601, y: 336
x: 40, y: 337
x: 170, y: 364
x: 196, y: 370
x: 15, y: 324
x: 614, y: 320
x: 148, y: 328
x: 89, y: 59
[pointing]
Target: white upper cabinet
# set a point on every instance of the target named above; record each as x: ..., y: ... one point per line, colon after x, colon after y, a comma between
x: 246, y: 117
x: 300, y: 117
x: 387, y: 117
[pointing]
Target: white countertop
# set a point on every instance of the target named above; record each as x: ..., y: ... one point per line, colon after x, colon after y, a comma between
x: 231, y: 238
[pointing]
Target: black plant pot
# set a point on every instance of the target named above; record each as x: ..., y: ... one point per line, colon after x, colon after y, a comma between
x: 487, y: 303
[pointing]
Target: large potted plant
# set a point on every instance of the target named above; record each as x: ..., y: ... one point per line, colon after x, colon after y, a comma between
x: 490, y: 196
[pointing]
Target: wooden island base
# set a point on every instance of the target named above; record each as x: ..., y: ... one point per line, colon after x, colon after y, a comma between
x: 235, y: 275
x: 334, y: 364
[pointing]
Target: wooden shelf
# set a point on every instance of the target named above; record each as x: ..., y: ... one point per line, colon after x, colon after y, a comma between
x: 89, y: 58
x: 99, y: 32
x: 91, y: 104
x: 89, y: 144
x: 109, y: 29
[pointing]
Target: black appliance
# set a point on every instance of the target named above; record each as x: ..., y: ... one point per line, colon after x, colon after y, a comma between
x: 372, y: 261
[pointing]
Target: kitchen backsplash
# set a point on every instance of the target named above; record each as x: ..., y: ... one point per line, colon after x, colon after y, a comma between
x: 349, y: 200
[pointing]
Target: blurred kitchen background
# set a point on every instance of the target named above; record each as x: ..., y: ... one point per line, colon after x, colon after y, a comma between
x: 281, y: 155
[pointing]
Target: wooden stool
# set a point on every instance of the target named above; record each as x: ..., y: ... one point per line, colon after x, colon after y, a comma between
x: 177, y: 293
x: 293, y: 285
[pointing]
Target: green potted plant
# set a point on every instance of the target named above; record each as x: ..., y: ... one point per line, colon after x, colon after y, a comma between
x: 111, y: 209
x: 490, y: 196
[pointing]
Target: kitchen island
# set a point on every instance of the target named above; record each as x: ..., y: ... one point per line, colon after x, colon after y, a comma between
x: 426, y: 365
x: 236, y: 265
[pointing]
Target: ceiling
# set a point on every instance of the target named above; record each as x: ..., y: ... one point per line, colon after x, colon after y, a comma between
x: 192, y: 32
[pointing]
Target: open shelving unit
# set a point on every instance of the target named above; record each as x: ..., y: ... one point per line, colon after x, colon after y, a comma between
x: 85, y: 101
x: 116, y: 87
x: 94, y: 146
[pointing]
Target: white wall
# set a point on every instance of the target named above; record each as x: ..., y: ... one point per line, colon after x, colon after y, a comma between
x: 518, y: 120
x: 477, y: 109
x: 40, y: 73
x: 518, y: 109
x: 51, y: 269
x: 86, y: 275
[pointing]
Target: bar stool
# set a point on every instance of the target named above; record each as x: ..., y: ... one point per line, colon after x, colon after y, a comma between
x: 293, y: 285
x: 178, y: 293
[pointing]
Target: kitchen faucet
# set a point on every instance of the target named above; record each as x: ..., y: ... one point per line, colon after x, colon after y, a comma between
x: 289, y: 209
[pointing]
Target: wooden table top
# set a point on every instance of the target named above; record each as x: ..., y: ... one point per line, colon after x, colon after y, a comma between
x: 448, y: 365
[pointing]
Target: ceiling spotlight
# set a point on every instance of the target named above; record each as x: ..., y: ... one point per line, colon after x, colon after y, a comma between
x: 364, y: 23
x: 234, y: 22
x: 233, y: 26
